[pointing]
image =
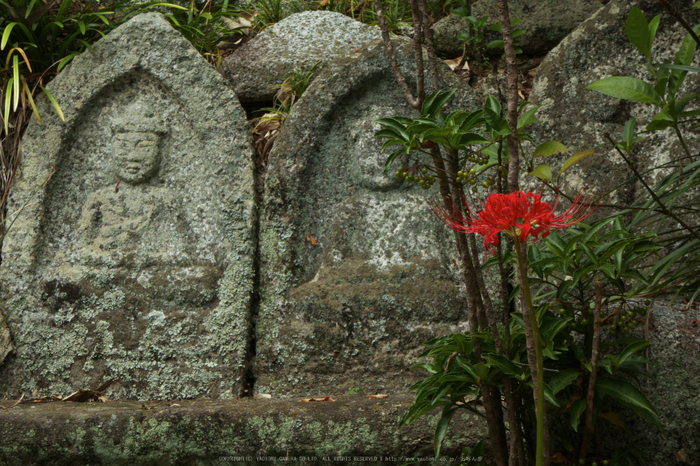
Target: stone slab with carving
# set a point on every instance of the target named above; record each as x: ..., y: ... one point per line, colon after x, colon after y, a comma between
x: 356, y: 272
x: 134, y: 260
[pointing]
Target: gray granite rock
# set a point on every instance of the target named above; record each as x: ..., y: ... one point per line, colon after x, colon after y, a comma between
x: 356, y: 272
x: 134, y: 260
x: 445, y: 33
x: 297, y: 42
x: 673, y: 390
x: 544, y: 22
x: 579, y: 117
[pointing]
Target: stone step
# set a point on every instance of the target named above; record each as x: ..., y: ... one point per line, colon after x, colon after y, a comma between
x: 354, y: 429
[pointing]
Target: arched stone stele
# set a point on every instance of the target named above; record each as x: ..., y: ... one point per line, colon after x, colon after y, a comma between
x: 134, y: 262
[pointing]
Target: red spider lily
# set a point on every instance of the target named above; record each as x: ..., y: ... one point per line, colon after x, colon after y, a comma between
x: 518, y: 213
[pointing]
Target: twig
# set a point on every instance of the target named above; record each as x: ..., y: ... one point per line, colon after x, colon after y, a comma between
x: 680, y: 19
x: 588, y: 434
x: 418, y: 31
x: 412, y: 101
x: 512, y: 76
x: 648, y: 188
x: 428, y: 35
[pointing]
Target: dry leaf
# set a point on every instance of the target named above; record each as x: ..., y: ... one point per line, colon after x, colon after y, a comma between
x: 681, y: 455
x: 262, y: 395
x: 454, y: 64
x: 18, y: 402
x: 694, y: 322
x: 88, y: 395
x: 520, y: 93
x: 311, y: 239
x: 324, y: 2
x: 613, y: 418
x: 685, y: 330
x: 267, y: 124
x: 558, y: 458
x: 313, y: 400
x: 380, y: 396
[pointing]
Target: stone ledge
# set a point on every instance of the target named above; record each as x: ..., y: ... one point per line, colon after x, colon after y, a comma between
x: 238, y: 432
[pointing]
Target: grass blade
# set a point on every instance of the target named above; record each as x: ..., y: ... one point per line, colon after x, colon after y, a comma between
x: 54, y: 103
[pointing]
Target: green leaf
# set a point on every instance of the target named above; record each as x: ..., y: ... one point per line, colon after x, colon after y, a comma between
x: 624, y: 87
x: 684, y: 57
x: 563, y: 379
x: 493, y: 105
x: 392, y: 123
x: 54, y: 103
x: 662, y: 78
x: 549, y: 148
x: 81, y: 26
x: 63, y: 9
x: 549, y: 396
x: 632, y: 349
x: 628, y: 134
x: 653, y: 26
x: 6, y: 35
x: 8, y: 98
x: 495, y: 44
x: 527, y: 118
x: 670, y: 66
x: 66, y: 60
x: 16, y: 81
x: 435, y: 101
x: 542, y: 172
x: 33, y: 105
x: 577, y: 408
x: 629, y: 395
x: 503, y: 363
x: 637, y: 30
x: 441, y: 428
x: 575, y: 158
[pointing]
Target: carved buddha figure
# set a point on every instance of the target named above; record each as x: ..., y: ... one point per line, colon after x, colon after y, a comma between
x: 138, y: 221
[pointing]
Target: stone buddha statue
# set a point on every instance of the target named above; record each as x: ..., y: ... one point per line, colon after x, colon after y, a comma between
x: 137, y: 221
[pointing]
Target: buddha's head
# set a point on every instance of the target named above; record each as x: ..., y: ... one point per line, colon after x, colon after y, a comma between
x: 137, y: 136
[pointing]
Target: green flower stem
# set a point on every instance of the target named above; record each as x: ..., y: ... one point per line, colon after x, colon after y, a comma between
x: 539, y: 458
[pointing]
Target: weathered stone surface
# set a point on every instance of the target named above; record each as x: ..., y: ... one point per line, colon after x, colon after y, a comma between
x: 673, y: 390
x: 135, y: 259
x: 6, y: 345
x: 544, y: 23
x: 350, y: 304
x: 445, y: 36
x: 579, y: 118
x: 295, y: 43
x: 246, y: 432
